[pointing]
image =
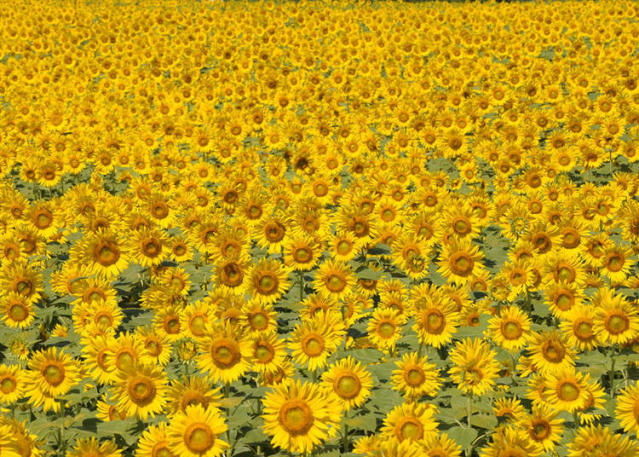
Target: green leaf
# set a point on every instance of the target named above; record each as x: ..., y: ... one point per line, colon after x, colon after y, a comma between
x: 367, y: 422
x: 463, y: 436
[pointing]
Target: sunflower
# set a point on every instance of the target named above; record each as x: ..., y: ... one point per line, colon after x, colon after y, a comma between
x: 268, y: 352
x: 410, y: 256
x: 562, y: 297
x: 334, y: 279
x: 627, y: 410
x: 385, y: 328
x: 440, y: 445
x: 349, y: 381
x: 616, y: 263
x: 21, y: 279
x: 127, y: 349
x: 98, y: 355
x: 231, y: 275
x: 52, y: 371
x: 593, y: 248
x: 509, y: 408
x: 141, y: 391
x: 520, y: 276
x: 225, y: 353
x: 16, y: 311
x: 509, y: 441
x: 543, y: 426
x: 196, y: 431
x: 315, y: 339
x: 616, y: 320
x: 271, y: 232
x: 299, y: 416
x: 157, y: 347
x: 344, y: 246
x: 511, y: 329
x: 474, y: 367
x: 578, y: 328
x: 564, y: 267
x: 460, y: 261
x: 415, y: 377
x: 566, y: 389
x: 193, y: 390
x: 154, y: 442
x: 460, y: 222
x: 104, y: 253
x: 597, y: 440
x: 409, y: 421
x: 551, y: 352
x: 12, y: 384
x: 91, y: 446
x: 302, y: 252
x: 268, y: 281
x: 149, y: 247
x: 436, y: 321
x: 595, y: 403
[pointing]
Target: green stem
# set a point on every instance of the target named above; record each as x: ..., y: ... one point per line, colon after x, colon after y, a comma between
x: 301, y: 275
x: 345, y: 443
x: 419, y: 350
x: 470, y: 410
x: 611, y: 376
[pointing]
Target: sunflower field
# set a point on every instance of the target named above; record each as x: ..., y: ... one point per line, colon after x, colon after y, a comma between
x: 319, y: 228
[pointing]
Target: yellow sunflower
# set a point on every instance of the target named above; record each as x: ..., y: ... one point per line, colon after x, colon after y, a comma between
x: 627, y: 410
x: 551, y: 352
x: 268, y: 281
x: 268, y: 352
x: 154, y: 442
x: 91, y: 446
x: 440, y: 445
x: 300, y: 416
x: 460, y: 261
x: 12, y: 383
x: 475, y: 367
x: 512, y: 442
x: 578, y: 328
x: 141, y: 391
x: 334, y: 279
x: 415, y: 377
x: 16, y: 310
x: 409, y: 421
x: 566, y: 389
x: 196, y: 432
x: 616, y: 320
x: 315, y: 339
x: 385, y: 328
x: 350, y: 381
x: 436, y: 321
x: 543, y: 426
x: 511, y: 329
x: 104, y: 253
x: 225, y: 354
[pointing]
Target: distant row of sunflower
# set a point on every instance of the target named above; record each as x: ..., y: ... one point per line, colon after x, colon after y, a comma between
x: 328, y: 228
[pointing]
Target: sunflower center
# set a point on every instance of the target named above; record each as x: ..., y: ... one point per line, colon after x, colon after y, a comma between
x: 553, y: 351
x: 172, y: 325
x: 151, y: 248
x: 197, y: 325
x: 583, y: 330
x: 232, y: 275
x: 344, y: 247
x: 511, y: 330
x: 106, y: 253
x: 24, y: 287
x: 124, y: 360
x: 335, y: 283
x: 565, y: 273
x: 411, y: 429
x: 142, y: 391
x: 302, y: 255
x: 473, y: 376
x: 154, y: 347
x: 571, y: 238
x: 8, y: 384
x: 414, y: 377
x: 461, y: 225
x: 18, y: 312
x: 313, y: 345
x: 347, y: 386
x: 564, y: 299
x: 103, y: 320
x: 568, y: 391
x: 541, y: 242
x: 179, y: 250
x: 435, y: 321
x: 614, y: 262
x: 161, y: 450
x: 225, y: 354
x: 53, y: 374
x: 259, y: 321
x: 617, y: 323
x: 386, y: 330
x: 199, y: 438
x: 43, y: 219
x: 461, y: 264
x: 540, y: 430
x: 267, y: 284
x: 296, y: 417
x: 264, y: 353
x: 274, y: 232
x: 159, y: 210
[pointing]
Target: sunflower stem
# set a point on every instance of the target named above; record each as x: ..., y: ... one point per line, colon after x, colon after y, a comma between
x: 420, y: 349
x: 611, y: 376
x: 470, y: 411
x: 345, y: 443
x: 575, y: 417
x: 301, y: 276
